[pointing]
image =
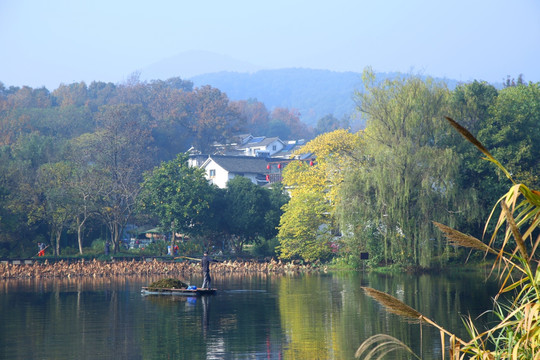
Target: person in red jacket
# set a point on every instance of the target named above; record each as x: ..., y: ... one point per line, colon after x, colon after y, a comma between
x: 42, y: 248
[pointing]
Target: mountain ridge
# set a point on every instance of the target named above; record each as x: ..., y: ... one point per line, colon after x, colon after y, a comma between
x: 314, y: 93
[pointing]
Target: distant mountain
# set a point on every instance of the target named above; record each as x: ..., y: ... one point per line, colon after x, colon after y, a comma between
x: 192, y: 63
x: 314, y: 93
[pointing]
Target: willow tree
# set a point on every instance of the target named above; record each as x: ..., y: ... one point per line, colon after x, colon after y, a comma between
x: 308, y: 224
x: 410, y: 177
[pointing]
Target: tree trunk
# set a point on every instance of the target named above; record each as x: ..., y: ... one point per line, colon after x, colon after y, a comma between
x: 58, y: 234
x: 173, y: 238
x: 80, y: 225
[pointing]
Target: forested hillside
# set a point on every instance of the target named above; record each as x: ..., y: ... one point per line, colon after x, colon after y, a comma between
x: 379, y: 190
x: 75, y: 164
x: 314, y: 93
x: 72, y: 160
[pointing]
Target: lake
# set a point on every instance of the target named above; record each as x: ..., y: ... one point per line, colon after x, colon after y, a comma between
x: 309, y: 316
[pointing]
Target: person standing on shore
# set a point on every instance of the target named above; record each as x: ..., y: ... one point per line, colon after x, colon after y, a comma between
x: 42, y: 248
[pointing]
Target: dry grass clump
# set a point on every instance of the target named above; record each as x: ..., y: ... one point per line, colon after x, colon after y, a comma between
x: 168, y: 283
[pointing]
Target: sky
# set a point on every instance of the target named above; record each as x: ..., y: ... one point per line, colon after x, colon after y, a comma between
x: 46, y: 43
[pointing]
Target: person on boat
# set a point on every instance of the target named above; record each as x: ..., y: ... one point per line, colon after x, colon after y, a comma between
x: 205, y: 263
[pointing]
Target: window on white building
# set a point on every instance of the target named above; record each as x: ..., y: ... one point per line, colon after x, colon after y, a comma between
x: 212, y: 173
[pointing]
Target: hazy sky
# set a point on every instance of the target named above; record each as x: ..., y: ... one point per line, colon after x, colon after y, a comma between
x: 46, y: 42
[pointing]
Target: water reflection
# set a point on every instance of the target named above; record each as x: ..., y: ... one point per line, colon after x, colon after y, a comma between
x: 312, y: 316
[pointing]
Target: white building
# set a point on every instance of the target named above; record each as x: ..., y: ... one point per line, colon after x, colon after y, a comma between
x: 261, y: 146
x: 222, y: 168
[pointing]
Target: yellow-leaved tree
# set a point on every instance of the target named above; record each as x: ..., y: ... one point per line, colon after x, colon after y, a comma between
x: 308, y: 227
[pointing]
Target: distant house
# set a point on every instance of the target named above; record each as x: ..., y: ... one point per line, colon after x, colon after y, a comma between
x: 259, y: 159
x: 289, y: 148
x: 222, y: 168
x: 261, y: 146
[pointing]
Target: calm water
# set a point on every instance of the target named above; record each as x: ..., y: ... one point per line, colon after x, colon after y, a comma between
x: 323, y: 316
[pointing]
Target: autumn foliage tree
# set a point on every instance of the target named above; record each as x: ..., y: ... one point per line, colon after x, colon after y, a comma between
x: 308, y: 224
x: 211, y: 117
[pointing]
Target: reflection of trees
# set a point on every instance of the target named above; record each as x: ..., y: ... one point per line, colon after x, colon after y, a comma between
x: 308, y: 320
x: 66, y: 317
x: 299, y: 317
x: 319, y: 313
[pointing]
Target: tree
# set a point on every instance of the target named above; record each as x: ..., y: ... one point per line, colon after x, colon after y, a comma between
x: 255, y: 113
x: 308, y: 224
x: 16, y: 233
x: 178, y: 195
x: 167, y: 106
x: 515, y: 334
x: 58, y: 201
x: 246, y: 206
x: 286, y: 124
x: 301, y: 231
x: 120, y: 148
x: 278, y: 198
x: 75, y: 94
x: 210, y: 117
x: 330, y: 123
x: 410, y: 177
x: 86, y: 184
x: 512, y: 132
x: 27, y: 201
x: 471, y: 104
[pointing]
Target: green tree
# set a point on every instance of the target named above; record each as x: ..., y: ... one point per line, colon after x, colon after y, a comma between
x: 512, y: 132
x: 179, y: 196
x: 87, y: 184
x: 246, y: 206
x: 58, y: 202
x: 330, y: 123
x: 471, y: 104
x: 26, y: 198
x: 410, y: 177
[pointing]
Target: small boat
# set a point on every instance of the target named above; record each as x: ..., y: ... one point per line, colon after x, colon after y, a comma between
x: 178, y: 292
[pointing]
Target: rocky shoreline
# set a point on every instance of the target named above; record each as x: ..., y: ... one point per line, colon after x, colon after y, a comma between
x: 96, y: 268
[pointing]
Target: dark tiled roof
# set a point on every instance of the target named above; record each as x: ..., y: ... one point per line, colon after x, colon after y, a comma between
x: 243, y: 164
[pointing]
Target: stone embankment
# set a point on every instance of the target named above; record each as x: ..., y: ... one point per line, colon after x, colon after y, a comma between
x: 95, y: 268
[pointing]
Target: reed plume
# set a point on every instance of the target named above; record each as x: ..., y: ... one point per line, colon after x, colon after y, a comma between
x: 392, y: 304
x: 458, y: 238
